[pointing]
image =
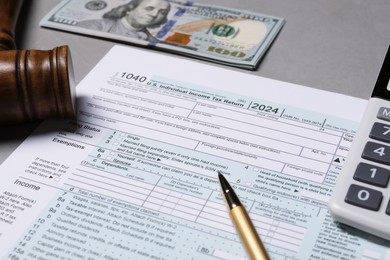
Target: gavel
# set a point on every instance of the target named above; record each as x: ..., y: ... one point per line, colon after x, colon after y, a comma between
x: 34, y: 84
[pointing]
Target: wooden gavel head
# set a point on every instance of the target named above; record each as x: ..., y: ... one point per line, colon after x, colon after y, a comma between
x: 34, y: 84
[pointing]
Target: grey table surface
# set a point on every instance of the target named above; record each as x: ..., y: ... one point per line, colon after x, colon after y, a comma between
x: 331, y: 45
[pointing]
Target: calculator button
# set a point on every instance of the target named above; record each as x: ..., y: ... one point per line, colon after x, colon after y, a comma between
x: 371, y: 174
x: 364, y: 197
x: 384, y: 113
x: 377, y: 152
x: 380, y: 132
x: 388, y: 208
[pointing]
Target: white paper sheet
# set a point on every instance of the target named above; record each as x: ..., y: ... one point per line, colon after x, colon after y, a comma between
x: 134, y: 177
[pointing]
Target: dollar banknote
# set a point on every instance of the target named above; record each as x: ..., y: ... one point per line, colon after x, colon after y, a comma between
x: 224, y: 35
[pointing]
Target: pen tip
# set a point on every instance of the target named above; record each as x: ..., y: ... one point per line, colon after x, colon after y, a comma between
x: 230, y: 196
x: 221, y: 177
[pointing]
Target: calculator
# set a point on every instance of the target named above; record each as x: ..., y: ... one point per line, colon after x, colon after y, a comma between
x: 361, y: 197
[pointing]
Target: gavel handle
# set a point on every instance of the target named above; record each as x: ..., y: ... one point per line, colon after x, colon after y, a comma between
x: 34, y: 84
x: 9, y: 12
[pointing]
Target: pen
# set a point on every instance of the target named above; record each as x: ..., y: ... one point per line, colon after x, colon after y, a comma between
x: 241, y: 220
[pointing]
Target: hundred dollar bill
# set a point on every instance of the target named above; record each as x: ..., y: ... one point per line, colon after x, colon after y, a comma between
x: 228, y: 36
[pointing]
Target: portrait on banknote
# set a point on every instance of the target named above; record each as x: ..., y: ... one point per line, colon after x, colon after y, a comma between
x: 132, y: 19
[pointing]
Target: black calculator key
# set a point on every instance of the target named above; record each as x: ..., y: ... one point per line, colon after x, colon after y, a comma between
x: 364, y: 197
x: 372, y: 174
x: 377, y: 153
x: 384, y: 113
x: 388, y: 208
x: 380, y: 132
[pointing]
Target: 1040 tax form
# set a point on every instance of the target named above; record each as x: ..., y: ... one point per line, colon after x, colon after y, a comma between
x: 135, y: 175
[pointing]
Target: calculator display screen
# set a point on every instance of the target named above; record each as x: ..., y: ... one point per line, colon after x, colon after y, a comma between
x: 382, y: 85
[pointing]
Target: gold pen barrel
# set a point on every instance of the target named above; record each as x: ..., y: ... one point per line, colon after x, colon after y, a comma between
x: 248, y: 234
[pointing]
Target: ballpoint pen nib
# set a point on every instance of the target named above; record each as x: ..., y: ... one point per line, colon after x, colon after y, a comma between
x: 224, y: 184
x: 228, y: 192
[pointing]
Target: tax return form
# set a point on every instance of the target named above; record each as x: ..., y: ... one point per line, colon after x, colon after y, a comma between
x: 135, y: 176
